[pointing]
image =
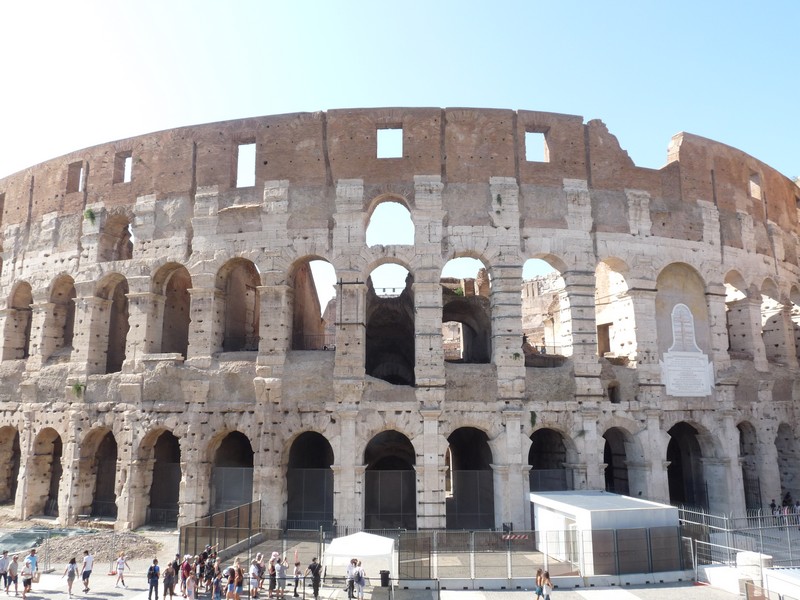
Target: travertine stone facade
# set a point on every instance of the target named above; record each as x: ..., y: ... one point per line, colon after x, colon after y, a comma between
x: 163, y: 355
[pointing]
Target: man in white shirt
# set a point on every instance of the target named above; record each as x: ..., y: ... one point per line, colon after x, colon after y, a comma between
x: 86, y: 569
x: 4, y: 560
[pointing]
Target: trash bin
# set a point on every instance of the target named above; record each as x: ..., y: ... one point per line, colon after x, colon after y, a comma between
x: 384, y: 578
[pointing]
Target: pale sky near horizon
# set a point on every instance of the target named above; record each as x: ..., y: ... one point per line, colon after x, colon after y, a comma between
x: 86, y: 72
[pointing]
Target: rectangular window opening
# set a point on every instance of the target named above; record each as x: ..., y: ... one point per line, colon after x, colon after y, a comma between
x: 603, y: 338
x: 75, y: 177
x: 536, y: 149
x: 123, y: 167
x: 755, y: 186
x: 390, y: 142
x: 246, y: 165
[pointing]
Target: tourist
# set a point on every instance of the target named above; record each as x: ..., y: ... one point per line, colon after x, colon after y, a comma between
x: 262, y: 569
x: 360, y: 580
x: 186, y: 568
x: 71, y: 572
x: 239, y: 578
x: 547, y: 585
x: 122, y: 564
x: 315, y: 569
x: 4, y: 560
x: 191, y: 586
x: 153, y: 576
x: 538, y: 584
x: 230, y: 588
x: 280, y: 575
x: 34, y: 561
x: 254, y: 579
x: 13, y: 568
x: 297, y: 573
x: 27, y: 576
x: 351, y: 567
x: 86, y: 569
x: 273, y: 574
x: 216, y: 583
x: 169, y: 581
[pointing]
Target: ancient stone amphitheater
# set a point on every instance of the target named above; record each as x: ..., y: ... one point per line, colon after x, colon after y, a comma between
x: 165, y: 353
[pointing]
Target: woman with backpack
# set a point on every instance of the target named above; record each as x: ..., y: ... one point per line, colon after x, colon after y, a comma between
x: 360, y: 580
x: 71, y: 572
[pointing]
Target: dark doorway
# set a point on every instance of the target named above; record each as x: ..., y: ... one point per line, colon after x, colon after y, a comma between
x: 471, y: 505
x: 390, y: 486
x: 614, y: 457
x: 309, y: 482
x: 165, y: 488
x: 232, y: 477
x: 105, y: 496
x: 547, y: 458
x: 685, y: 470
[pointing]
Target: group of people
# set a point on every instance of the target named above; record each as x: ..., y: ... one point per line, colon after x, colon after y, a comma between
x: 356, y: 579
x: 71, y: 572
x: 11, y: 571
x: 544, y: 586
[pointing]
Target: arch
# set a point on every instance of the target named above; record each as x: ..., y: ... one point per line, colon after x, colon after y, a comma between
x: 309, y: 483
x: 772, y: 323
x: 466, y: 312
x: 543, y: 294
x: 390, y: 335
x: 312, y: 324
x: 97, y: 474
x: 679, y: 283
x: 232, y: 472
x: 548, y: 460
x: 173, y: 282
x: 44, y: 474
x: 738, y: 316
x: 470, y: 503
x: 748, y: 459
x: 116, y: 239
x: 114, y: 288
x: 390, y: 494
x: 616, y: 461
x: 239, y: 281
x: 390, y: 223
x: 788, y: 455
x: 59, y: 324
x: 614, y: 312
x: 18, y: 323
x: 166, y: 478
x: 9, y: 464
x: 685, y: 470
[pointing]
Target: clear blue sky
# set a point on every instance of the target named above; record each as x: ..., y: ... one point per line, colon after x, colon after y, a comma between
x: 81, y: 73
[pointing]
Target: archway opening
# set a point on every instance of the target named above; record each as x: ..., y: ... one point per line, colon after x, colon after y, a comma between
x: 748, y: 448
x: 165, y: 487
x: 786, y: 446
x: 466, y: 311
x: 390, y: 224
x: 616, y: 324
x: 44, y: 474
x: 115, y: 289
x: 59, y: 325
x: 116, y: 239
x: 104, y: 503
x: 614, y: 457
x: 471, y: 504
x: 390, y: 343
x: 390, y: 493
x: 737, y: 317
x: 232, y: 475
x: 240, y: 281
x: 177, y: 310
x: 545, y: 337
x: 313, y: 323
x: 548, y: 459
x: 309, y: 483
x: 9, y: 464
x: 685, y: 471
x: 18, y: 324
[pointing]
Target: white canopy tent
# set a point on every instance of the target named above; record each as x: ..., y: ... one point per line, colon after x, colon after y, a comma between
x: 375, y: 552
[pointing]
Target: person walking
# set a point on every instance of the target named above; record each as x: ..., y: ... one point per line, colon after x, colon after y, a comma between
x: 27, y: 576
x: 360, y: 580
x: 153, y: 577
x: 71, y: 572
x: 4, y: 560
x: 538, y: 585
x: 297, y: 574
x: 13, y: 570
x: 315, y: 569
x: 169, y: 581
x: 122, y: 564
x: 351, y: 566
x: 86, y: 569
x: 547, y: 585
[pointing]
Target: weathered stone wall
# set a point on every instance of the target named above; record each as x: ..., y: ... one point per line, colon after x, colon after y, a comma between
x: 134, y: 256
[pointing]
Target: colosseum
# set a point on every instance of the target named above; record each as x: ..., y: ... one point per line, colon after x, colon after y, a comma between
x: 166, y: 353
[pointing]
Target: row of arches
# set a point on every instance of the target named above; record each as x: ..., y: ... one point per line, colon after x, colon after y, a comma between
x: 389, y: 476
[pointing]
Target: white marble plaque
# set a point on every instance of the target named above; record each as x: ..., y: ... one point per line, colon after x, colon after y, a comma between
x: 686, y: 370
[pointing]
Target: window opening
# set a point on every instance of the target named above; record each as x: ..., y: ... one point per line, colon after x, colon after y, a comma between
x: 613, y: 393
x: 536, y: 149
x: 603, y: 339
x: 123, y: 167
x: 75, y: 177
x: 390, y: 224
x: 755, y: 186
x: 390, y: 143
x: 246, y: 165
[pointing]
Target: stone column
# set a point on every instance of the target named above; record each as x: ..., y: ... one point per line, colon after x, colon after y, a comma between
x: 348, y: 475
x: 718, y: 327
x: 145, y: 318
x: 351, y: 329
x: 729, y: 498
x: 69, y: 489
x: 431, y: 512
x: 580, y: 333
x: 90, y: 338
x: 42, y: 342
x: 428, y: 346
x: 208, y: 321
x: 506, y: 315
x: 512, y: 487
x: 643, y: 300
x: 654, y: 442
x: 26, y: 487
x: 592, y: 448
x: 275, y: 328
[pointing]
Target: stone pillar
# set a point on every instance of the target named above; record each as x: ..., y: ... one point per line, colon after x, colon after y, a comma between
x: 718, y: 327
x: 654, y: 442
x: 730, y: 500
x: 145, y: 319
x: 592, y: 448
x: 43, y: 341
x: 135, y: 497
x: 351, y: 329
x: 194, y: 498
x: 69, y: 490
x: 90, y: 338
x: 431, y: 510
x: 580, y: 333
x: 644, y: 308
x: 512, y: 486
x: 769, y: 473
x: 507, y: 355
x: 428, y: 346
x: 26, y: 487
x: 348, y: 475
x: 208, y: 321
